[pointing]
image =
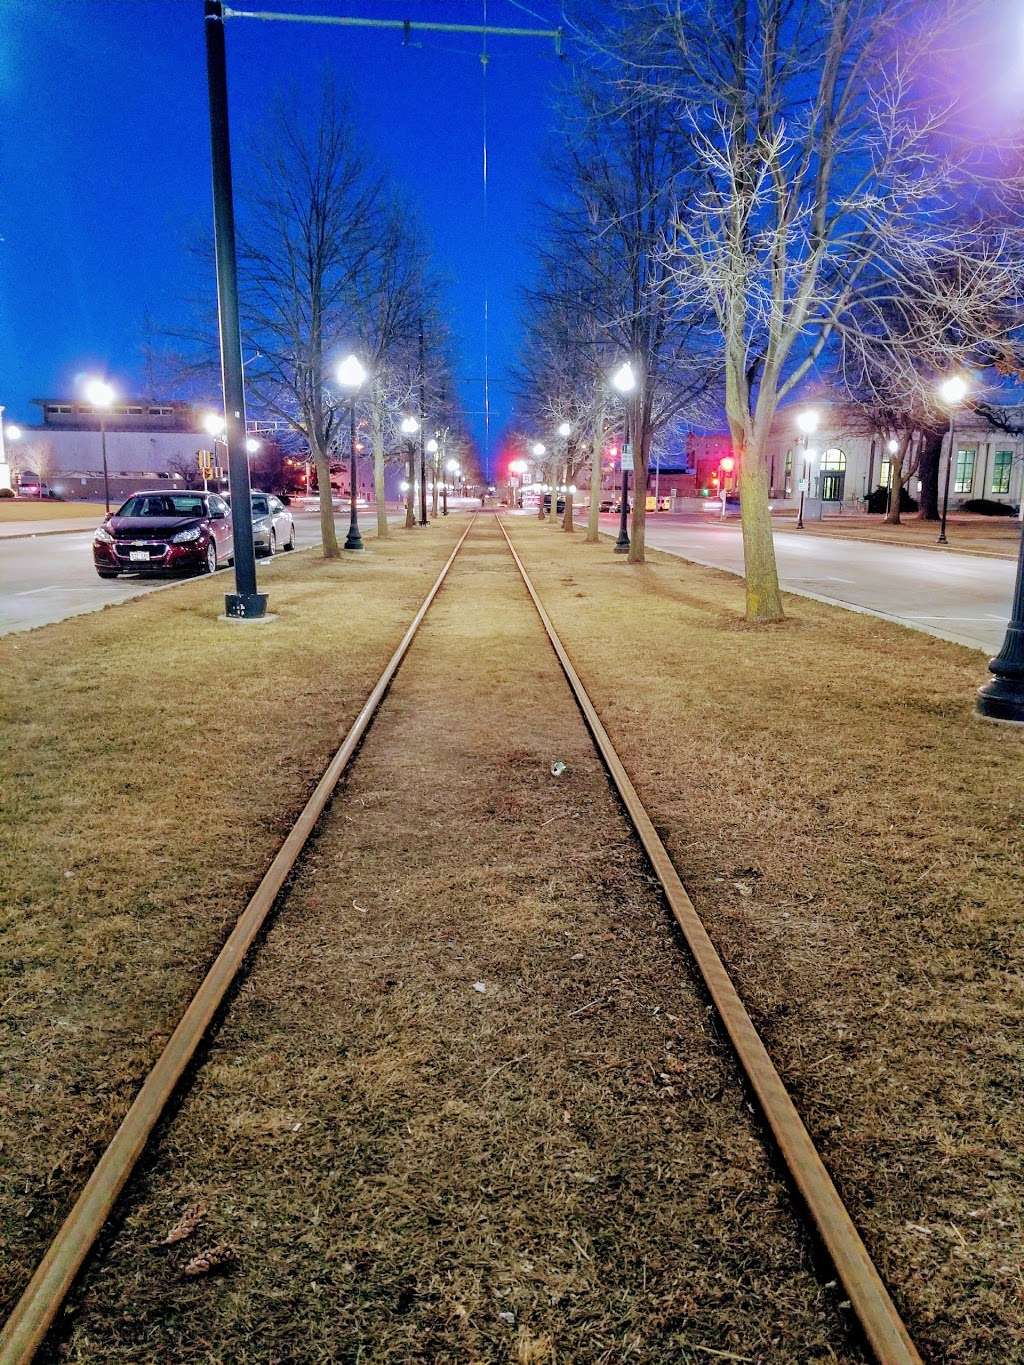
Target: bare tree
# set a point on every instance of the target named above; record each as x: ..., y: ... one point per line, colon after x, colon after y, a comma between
x: 822, y: 171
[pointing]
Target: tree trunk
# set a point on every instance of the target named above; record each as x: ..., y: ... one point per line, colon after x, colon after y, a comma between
x: 433, y: 511
x: 377, y: 420
x: 895, y: 490
x: 328, y: 535
x: 764, y: 600
x: 567, y: 524
x: 596, y: 451
x: 929, y: 472
x: 638, y: 515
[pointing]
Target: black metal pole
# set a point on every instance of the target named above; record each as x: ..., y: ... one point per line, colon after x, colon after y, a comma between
x: 1002, y: 698
x: 353, y: 541
x: 103, y: 448
x: 622, y: 544
x: 945, y: 493
x: 803, y: 489
x: 444, y: 495
x: 245, y: 601
x: 423, y: 449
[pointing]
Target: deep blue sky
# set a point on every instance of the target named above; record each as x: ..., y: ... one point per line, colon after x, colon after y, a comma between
x: 104, y: 157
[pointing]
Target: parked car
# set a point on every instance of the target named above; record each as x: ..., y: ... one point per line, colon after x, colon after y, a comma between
x: 166, y: 532
x: 273, y: 526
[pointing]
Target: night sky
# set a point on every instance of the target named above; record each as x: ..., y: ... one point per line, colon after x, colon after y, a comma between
x: 105, y: 167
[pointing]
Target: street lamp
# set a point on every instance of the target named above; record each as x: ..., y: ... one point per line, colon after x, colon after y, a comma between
x: 100, y: 394
x: 624, y: 380
x: 565, y: 430
x: 807, y: 421
x: 952, y: 392
x: 251, y: 445
x: 432, y: 448
x: 351, y: 375
x: 13, y: 432
x: 891, y: 448
x: 409, y: 426
x: 725, y: 467
x: 451, y: 467
x: 1002, y: 697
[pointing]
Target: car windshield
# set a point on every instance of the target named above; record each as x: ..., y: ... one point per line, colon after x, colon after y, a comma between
x: 163, y: 505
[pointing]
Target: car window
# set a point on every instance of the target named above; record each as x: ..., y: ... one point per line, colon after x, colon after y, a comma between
x: 259, y: 505
x: 276, y: 506
x: 218, y: 504
x: 163, y: 505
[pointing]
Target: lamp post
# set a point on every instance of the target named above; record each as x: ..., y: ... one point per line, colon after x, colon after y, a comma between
x: 807, y: 421
x: 891, y: 447
x: 432, y: 449
x: 351, y: 376
x: 538, y: 450
x: 11, y: 432
x: 725, y: 467
x: 952, y: 392
x: 624, y: 380
x: 99, y: 393
x: 452, y: 467
x: 1002, y: 697
x: 409, y: 427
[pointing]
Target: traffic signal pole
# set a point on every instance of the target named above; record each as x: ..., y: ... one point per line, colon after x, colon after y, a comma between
x: 245, y: 603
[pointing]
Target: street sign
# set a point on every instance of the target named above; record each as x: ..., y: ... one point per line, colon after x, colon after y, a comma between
x: 627, y: 459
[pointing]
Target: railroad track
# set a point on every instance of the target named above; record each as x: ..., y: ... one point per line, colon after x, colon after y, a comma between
x: 42, y: 1299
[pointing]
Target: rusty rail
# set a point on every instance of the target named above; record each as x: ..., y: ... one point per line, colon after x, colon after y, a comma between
x: 878, y: 1316
x: 44, y: 1294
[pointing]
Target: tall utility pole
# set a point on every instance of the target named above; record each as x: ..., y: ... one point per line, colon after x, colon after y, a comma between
x: 245, y: 603
x: 423, y: 449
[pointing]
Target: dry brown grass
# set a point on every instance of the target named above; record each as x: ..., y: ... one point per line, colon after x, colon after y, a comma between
x: 47, y: 509
x: 152, y: 760
x: 558, y: 1168
x: 854, y: 838
x: 997, y: 536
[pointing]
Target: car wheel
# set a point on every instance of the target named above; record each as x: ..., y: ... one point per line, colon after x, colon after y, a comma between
x: 291, y: 539
x: 272, y: 545
x: 107, y: 573
x: 211, y: 557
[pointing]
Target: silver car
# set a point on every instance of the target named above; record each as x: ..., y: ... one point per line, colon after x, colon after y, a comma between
x: 273, y: 526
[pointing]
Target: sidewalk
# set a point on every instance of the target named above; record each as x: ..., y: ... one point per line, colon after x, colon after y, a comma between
x: 994, y: 537
x: 63, y: 526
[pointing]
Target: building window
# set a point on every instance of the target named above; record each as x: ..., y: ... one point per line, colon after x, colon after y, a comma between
x: 160, y: 412
x: 833, y: 475
x: 885, y: 474
x: 1002, y: 463
x: 788, y: 473
x: 963, y: 480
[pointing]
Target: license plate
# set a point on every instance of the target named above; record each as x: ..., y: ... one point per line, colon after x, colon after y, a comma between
x: 138, y: 554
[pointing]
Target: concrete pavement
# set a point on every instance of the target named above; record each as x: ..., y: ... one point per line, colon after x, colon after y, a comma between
x: 963, y: 598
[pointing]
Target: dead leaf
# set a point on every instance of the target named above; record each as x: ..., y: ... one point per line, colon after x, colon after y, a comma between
x: 207, y: 1262
x: 185, y: 1226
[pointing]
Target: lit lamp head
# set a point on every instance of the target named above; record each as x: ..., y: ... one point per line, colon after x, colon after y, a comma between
x: 452, y: 466
x: 98, y: 392
x: 251, y: 445
x: 953, y: 390
x: 539, y: 448
x: 13, y: 432
x: 624, y: 378
x: 214, y: 424
x: 351, y: 373
x: 409, y: 426
x: 565, y: 430
x: 727, y: 464
x: 431, y: 446
x: 808, y: 421
x: 892, y: 446
x: 518, y: 467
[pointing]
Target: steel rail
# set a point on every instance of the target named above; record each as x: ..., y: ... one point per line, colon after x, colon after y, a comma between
x: 878, y: 1316
x: 43, y: 1296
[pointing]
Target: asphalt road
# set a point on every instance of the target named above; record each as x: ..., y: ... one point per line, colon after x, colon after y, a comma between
x: 960, y: 597
x: 47, y: 578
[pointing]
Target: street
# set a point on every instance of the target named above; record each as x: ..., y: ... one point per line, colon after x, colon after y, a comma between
x: 46, y: 578
x: 959, y: 597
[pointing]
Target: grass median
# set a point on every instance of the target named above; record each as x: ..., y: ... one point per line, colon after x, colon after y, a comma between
x: 47, y: 509
x: 154, y: 758
x: 853, y: 838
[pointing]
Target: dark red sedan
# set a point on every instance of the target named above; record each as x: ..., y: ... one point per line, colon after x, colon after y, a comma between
x: 166, y: 532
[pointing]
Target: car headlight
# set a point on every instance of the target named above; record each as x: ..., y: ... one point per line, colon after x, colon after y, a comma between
x: 103, y: 536
x: 193, y: 533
